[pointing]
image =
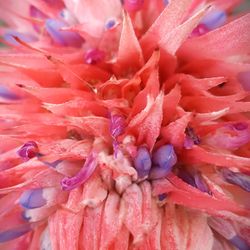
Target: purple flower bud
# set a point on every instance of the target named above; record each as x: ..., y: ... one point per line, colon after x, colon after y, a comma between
x: 62, y: 37
x: 14, y: 233
x: 244, y: 79
x: 111, y: 23
x: 68, y: 16
x: 94, y: 56
x: 162, y: 197
x: 69, y: 183
x: 117, y: 125
x: 238, y: 179
x: 7, y: 94
x: 133, y: 5
x: 32, y: 199
x: 200, y: 30
x: 165, y: 2
x: 165, y: 157
x: 142, y: 162
x: 239, y: 243
x: 28, y: 150
x: 214, y: 19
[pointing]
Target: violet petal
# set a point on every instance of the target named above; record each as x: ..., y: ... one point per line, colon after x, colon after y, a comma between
x: 142, y: 162
x: 32, y: 199
x: 165, y: 157
x: 69, y: 183
x: 14, y: 233
x: 214, y: 19
x: 133, y: 5
x: 239, y: 243
x: 238, y: 179
x: 200, y: 183
x: 62, y: 37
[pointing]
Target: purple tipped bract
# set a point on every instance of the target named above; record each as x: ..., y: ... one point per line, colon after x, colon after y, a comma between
x: 94, y: 56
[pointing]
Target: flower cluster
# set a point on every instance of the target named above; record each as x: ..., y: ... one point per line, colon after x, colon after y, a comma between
x: 124, y: 125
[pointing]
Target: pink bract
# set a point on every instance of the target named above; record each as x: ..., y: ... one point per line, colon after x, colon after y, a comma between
x: 124, y: 125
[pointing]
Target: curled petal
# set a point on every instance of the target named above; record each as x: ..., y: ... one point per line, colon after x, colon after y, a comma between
x: 69, y: 183
x: 28, y: 150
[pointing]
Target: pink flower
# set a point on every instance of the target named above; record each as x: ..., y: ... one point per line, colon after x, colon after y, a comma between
x: 124, y: 125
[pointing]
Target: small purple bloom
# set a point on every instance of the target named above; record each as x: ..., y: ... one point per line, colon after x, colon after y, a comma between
x: 62, y: 37
x: 94, y: 56
x: 69, y: 183
x: 111, y: 23
x: 165, y: 157
x: 239, y: 179
x: 32, y: 198
x: 28, y: 150
x: 162, y: 197
x: 142, y: 162
x: 14, y: 233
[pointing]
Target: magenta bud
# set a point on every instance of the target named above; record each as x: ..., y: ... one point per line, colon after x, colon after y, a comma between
x: 94, y: 56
